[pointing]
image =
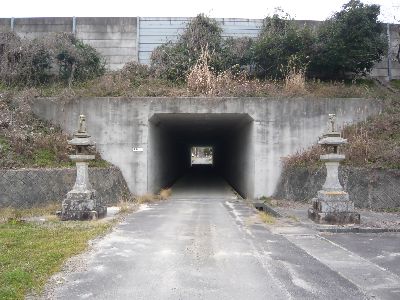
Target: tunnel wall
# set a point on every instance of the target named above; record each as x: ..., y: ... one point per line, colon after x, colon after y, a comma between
x: 167, y: 158
x: 281, y: 127
x: 235, y: 159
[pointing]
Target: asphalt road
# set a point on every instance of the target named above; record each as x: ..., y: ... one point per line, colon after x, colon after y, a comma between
x: 205, y: 244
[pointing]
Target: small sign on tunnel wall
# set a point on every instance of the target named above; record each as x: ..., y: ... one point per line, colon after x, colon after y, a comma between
x: 137, y: 149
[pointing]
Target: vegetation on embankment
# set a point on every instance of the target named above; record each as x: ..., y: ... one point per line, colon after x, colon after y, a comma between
x: 26, y: 141
x: 374, y: 143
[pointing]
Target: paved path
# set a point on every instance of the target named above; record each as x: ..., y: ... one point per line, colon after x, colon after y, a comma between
x: 204, y: 244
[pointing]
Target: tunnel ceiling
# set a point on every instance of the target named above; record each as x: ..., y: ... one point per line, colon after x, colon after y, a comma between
x: 200, y: 129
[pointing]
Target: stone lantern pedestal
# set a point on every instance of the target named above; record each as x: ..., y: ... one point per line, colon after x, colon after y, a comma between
x: 81, y: 202
x: 332, y: 204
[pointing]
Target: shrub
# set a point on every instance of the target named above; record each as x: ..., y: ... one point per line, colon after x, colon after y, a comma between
x: 279, y: 40
x: 174, y: 60
x: 77, y: 61
x: 236, y: 52
x: 135, y: 71
x: 22, y: 61
x: 53, y: 57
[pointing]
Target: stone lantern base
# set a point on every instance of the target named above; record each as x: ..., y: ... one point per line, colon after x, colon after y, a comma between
x: 82, y: 206
x: 333, y: 208
x: 81, y: 202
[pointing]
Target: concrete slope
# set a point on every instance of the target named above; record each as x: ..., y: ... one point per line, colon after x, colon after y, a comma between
x: 201, y: 247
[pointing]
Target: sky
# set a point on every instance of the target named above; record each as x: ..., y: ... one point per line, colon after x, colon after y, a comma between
x: 253, y: 9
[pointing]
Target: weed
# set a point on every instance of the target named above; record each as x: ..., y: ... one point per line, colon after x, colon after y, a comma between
x: 165, y: 194
x: 126, y: 204
x: 293, y: 218
x: 146, y: 198
x: 266, y: 218
x: 44, y: 157
x: 391, y: 210
x: 395, y: 83
x: 200, y: 78
x: 295, y: 77
x: 46, y: 210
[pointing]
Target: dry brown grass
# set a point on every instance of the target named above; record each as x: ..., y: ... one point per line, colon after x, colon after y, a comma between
x: 295, y: 82
x: 374, y: 143
x: 48, y: 211
x: 165, y: 194
x: 146, y: 198
x: 266, y: 218
x: 200, y: 78
x: 308, y: 158
x: 138, y: 81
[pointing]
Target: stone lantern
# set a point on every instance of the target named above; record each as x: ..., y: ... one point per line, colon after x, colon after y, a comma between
x: 332, y: 205
x: 81, y: 202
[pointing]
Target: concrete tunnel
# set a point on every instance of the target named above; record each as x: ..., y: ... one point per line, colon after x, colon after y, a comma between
x: 249, y: 136
x: 172, y: 135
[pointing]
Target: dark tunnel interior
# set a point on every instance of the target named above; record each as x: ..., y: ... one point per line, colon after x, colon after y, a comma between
x: 171, y: 137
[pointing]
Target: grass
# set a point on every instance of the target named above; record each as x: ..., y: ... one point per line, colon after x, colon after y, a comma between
x: 395, y: 83
x: 4, y: 146
x: 266, y: 218
x: 392, y: 210
x: 30, y: 253
x: 201, y: 83
x: 293, y: 218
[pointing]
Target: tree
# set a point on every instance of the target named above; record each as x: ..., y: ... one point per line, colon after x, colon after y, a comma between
x: 349, y: 43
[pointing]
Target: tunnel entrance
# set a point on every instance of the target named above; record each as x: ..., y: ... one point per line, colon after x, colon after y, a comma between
x: 173, y: 136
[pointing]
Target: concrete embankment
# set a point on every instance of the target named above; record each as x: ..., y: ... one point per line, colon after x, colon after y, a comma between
x: 24, y: 188
x: 368, y: 188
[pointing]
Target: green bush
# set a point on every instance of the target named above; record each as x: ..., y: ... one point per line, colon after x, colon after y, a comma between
x: 237, y: 52
x: 349, y: 43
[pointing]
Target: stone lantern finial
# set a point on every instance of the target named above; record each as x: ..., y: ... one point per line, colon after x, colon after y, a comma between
x: 82, y: 124
x: 332, y: 120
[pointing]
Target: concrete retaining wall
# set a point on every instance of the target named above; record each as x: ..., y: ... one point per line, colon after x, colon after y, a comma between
x: 114, y: 38
x: 24, y: 188
x: 133, y: 39
x: 368, y: 188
